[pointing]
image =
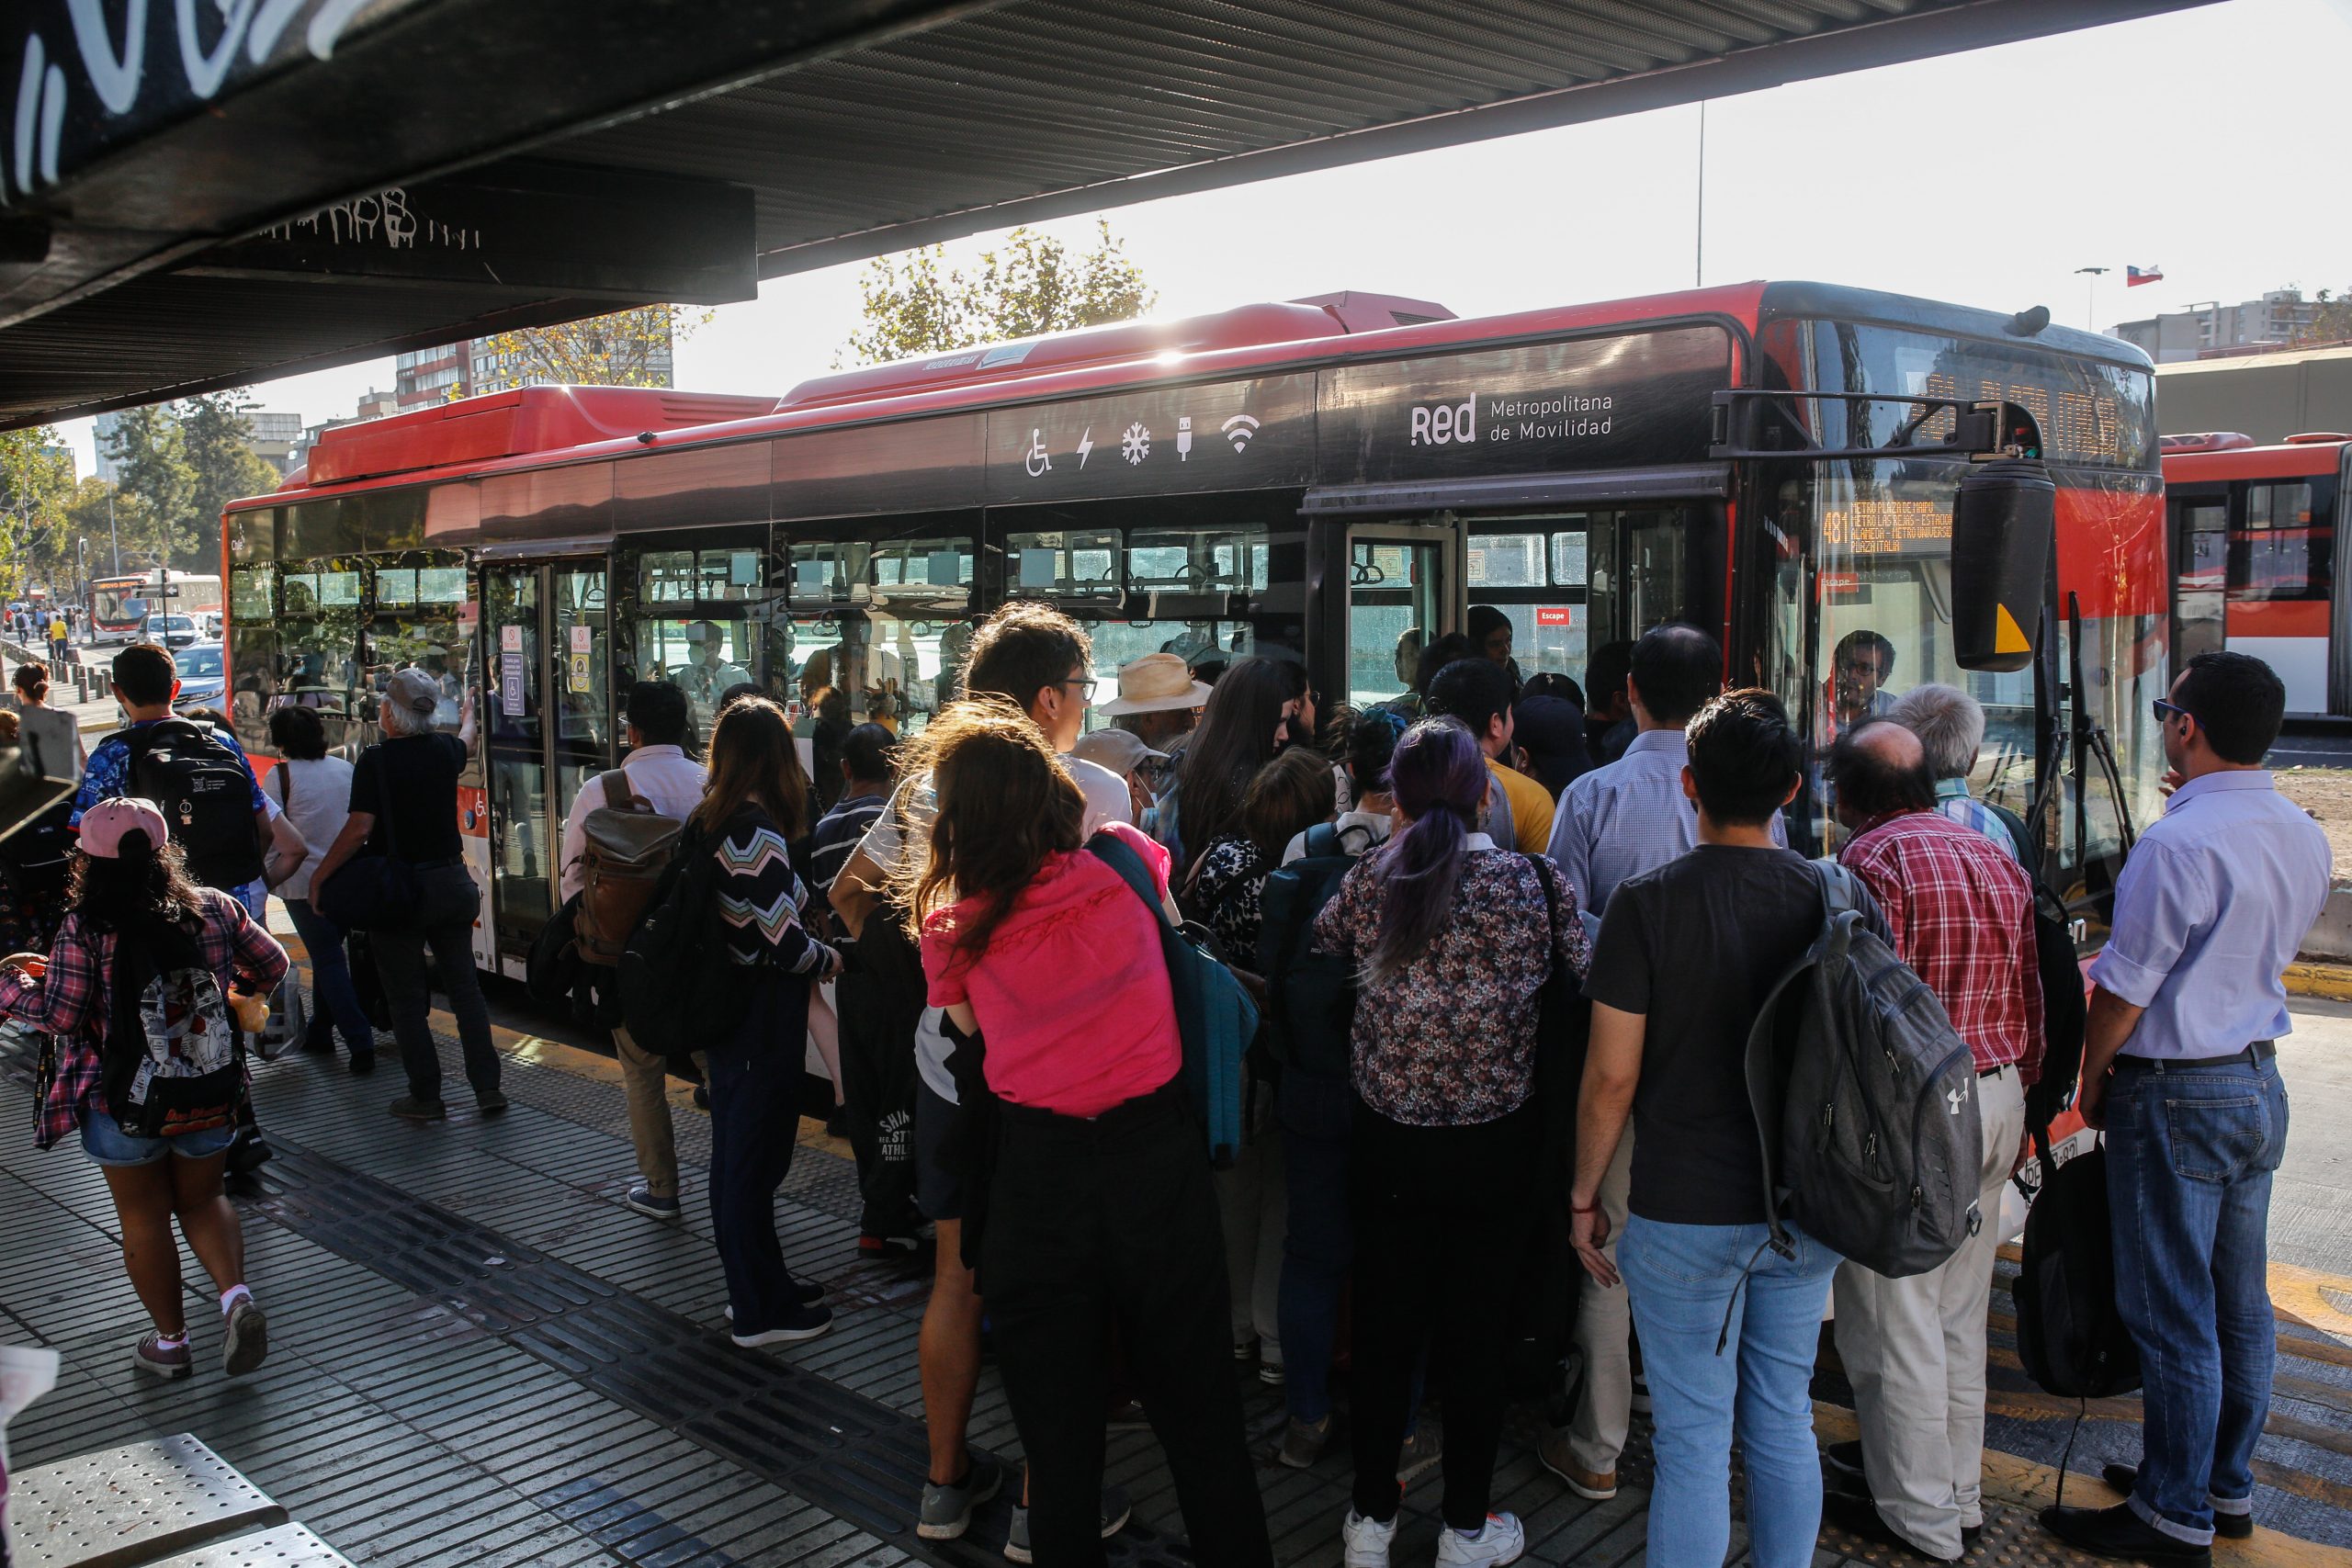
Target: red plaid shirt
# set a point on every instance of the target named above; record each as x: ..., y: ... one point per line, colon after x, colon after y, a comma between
x: 71, y: 1001
x: 1961, y: 912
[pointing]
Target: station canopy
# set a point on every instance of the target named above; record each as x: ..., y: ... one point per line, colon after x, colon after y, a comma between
x: 197, y: 193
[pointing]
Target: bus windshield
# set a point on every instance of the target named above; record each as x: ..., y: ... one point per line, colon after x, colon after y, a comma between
x: 116, y: 606
x: 1862, y: 593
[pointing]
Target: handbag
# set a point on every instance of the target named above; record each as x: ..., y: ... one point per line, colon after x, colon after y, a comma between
x: 370, y: 891
x: 359, y: 955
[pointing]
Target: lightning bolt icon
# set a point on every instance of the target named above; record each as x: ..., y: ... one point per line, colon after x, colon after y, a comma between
x: 1085, y: 445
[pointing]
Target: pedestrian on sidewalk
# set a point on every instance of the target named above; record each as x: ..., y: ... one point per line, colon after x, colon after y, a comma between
x: 314, y: 791
x: 1097, y: 1212
x: 404, y: 804
x: 1962, y: 911
x: 133, y: 910
x: 657, y: 770
x: 2180, y: 1068
x: 52, y: 735
x: 757, y: 803
x: 57, y: 639
x: 1454, y: 938
x: 1728, y: 1328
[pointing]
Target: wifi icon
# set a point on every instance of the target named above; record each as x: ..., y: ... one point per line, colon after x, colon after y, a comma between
x: 1238, y: 429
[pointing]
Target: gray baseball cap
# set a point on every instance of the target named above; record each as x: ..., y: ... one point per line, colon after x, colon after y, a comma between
x: 414, y: 690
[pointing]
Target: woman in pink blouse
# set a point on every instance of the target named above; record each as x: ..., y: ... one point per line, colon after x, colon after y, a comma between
x: 1098, y: 1212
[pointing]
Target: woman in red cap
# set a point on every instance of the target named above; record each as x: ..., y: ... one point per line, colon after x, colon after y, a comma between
x: 137, y: 931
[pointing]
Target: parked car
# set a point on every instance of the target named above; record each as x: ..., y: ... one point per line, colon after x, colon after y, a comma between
x: 203, y: 679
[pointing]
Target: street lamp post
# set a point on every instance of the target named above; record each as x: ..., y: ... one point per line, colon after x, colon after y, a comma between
x: 2090, y: 294
x: 111, y: 540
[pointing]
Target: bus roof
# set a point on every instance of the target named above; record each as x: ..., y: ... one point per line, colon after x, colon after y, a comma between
x: 541, y: 426
x: 2320, y: 453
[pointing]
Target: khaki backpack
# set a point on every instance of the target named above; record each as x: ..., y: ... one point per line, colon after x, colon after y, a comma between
x: 628, y: 846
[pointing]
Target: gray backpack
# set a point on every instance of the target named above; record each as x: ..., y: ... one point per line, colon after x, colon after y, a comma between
x: 1865, y: 1100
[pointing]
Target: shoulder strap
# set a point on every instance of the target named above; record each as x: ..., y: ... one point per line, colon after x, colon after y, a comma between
x: 1108, y: 849
x: 286, y: 784
x: 629, y: 799
x: 1838, y: 890
x: 1542, y: 867
x: 1323, y: 839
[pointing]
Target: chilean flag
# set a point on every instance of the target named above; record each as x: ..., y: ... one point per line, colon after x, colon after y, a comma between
x: 2135, y: 275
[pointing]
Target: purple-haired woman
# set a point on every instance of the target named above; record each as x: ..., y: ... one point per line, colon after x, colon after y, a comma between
x: 1452, y: 940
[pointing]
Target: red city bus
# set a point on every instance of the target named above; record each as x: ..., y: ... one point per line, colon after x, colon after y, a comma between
x: 2254, y: 563
x: 1333, y: 479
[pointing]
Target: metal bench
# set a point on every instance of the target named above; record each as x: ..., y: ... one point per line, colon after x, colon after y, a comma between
x: 167, y: 1503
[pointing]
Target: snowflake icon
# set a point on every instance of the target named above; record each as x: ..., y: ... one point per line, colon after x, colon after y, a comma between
x: 1136, y: 444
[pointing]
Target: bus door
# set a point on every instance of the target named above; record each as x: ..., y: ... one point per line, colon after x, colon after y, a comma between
x: 1401, y: 594
x: 548, y: 729
x: 1571, y: 581
x: 2200, y: 554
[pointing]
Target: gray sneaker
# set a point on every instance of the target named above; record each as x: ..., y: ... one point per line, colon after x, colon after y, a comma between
x: 946, y: 1510
x: 1116, y: 1510
x: 150, y: 1356
x: 246, y: 1339
x: 1421, y: 1451
x: 1304, y: 1442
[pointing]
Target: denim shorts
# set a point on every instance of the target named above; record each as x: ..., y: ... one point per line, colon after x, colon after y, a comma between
x: 106, y: 1143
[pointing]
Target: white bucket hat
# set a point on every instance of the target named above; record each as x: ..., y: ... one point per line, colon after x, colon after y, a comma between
x: 1155, y: 683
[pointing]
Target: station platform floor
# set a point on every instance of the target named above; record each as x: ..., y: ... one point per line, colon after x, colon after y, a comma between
x: 480, y: 1356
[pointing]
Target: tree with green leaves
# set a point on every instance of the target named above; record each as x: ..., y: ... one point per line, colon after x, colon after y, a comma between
x: 628, y: 348
x: 150, y: 452
x: 2332, y: 322
x: 218, y: 439
x: 915, y: 303
x: 36, y: 482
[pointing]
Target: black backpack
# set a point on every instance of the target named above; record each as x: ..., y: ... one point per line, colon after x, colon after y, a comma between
x: 1865, y: 1100
x: 1310, y: 996
x: 2071, y: 1339
x: 678, y: 990
x: 206, y: 794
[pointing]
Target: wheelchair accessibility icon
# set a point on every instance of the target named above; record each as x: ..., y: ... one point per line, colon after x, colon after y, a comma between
x: 1038, y: 464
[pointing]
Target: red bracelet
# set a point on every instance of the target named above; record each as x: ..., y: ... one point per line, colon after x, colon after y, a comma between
x: 1576, y: 1208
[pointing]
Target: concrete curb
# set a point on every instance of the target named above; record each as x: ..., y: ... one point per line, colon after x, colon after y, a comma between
x: 2330, y: 982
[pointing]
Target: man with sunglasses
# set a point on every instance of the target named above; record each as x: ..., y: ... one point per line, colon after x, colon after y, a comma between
x: 2179, y: 1068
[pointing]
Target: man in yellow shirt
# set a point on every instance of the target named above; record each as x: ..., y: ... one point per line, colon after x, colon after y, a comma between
x: 1477, y: 692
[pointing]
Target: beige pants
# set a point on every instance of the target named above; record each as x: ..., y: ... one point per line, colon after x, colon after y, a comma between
x: 1913, y: 1351
x: 1604, y: 1332
x: 645, y: 1082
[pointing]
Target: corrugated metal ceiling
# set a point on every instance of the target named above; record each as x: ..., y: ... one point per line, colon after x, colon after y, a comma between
x: 940, y: 119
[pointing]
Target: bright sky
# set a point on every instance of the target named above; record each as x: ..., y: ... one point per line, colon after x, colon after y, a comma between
x: 2187, y: 142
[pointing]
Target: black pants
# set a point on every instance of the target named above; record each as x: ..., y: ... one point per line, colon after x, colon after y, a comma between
x: 448, y: 901
x: 1440, y: 1221
x: 1104, y: 1225
x: 877, y: 1036
x: 755, y: 1125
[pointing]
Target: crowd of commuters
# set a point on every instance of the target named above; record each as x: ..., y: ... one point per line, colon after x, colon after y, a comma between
x: 1515, y: 870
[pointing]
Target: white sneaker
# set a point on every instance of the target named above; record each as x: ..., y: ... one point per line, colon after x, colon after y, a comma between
x: 1499, y: 1539
x: 1365, y: 1541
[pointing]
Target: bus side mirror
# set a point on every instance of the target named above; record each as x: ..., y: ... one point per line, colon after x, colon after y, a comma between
x: 2002, y: 523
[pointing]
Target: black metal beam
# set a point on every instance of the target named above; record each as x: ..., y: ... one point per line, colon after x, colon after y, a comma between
x: 145, y: 130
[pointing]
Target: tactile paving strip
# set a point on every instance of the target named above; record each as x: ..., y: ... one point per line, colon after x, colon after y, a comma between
x: 851, y: 1456
x: 130, y: 1505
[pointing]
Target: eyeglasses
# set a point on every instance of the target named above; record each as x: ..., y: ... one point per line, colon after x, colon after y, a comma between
x: 1085, y: 684
x: 2167, y: 712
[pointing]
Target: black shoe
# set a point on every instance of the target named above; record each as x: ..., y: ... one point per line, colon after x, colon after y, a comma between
x: 1859, y: 1517
x: 2119, y: 1532
x: 240, y: 1184
x: 248, y: 1153
x: 702, y: 1097
x: 319, y: 1045
x: 362, y: 1063
x: 2124, y: 1477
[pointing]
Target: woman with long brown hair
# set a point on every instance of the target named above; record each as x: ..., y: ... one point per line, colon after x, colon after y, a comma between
x: 1253, y: 711
x: 761, y: 967
x: 1098, y: 1209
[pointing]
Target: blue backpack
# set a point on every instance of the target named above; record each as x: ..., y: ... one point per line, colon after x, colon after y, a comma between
x: 1213, y: 1014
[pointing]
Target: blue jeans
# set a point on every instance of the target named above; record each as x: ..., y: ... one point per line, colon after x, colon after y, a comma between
x: 332, y: 991
x: 2189, y: 1156
x: 1313, y: 1114
x: 1680, y: 1282
x: 105, y: 1142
